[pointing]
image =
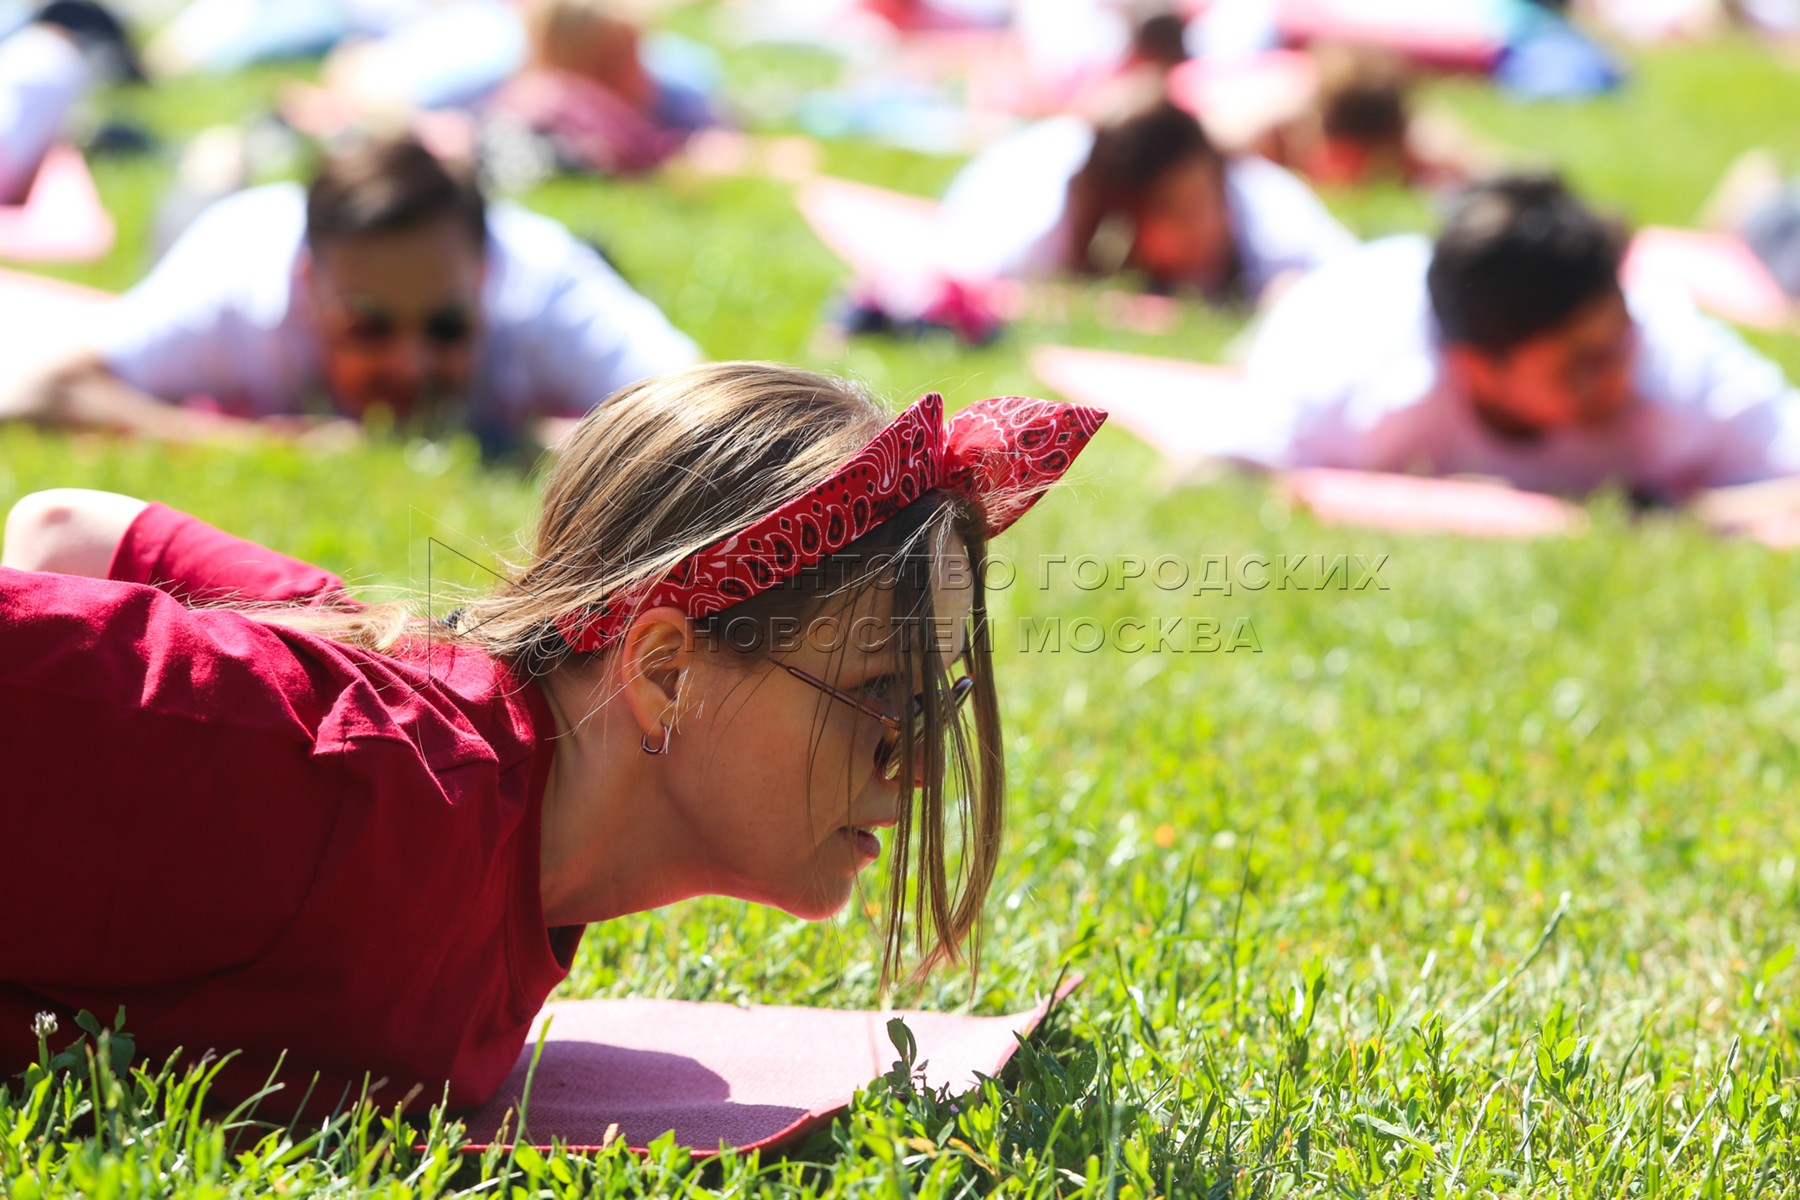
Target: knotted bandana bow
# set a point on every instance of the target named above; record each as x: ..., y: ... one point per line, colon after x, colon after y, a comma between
x: 1004, y: 453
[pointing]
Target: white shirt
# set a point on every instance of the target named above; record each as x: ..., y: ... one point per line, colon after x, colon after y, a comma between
x: 222, y: 315
x: 1349, y: 367
x: 1006, y: 213
x: 1065, y: 39
x: 42, y: 75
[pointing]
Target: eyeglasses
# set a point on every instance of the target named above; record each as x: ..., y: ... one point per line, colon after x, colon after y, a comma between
x: 887, y: 760
x: 370, y: 328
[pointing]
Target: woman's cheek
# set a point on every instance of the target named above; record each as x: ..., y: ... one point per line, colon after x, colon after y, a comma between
x: 794, y: 765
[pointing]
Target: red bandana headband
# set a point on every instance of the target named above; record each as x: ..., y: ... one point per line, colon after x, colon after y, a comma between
x: 1003, y: 452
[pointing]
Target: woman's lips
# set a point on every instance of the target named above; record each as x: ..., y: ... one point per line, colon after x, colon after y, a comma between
x: 868, y: 845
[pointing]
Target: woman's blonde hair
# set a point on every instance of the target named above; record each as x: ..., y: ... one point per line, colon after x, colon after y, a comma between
x: 675, y: 463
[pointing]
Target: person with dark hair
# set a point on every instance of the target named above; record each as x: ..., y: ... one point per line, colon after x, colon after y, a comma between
x: 1341, y: 115
x: 1509, y: 349
x: 1159, y: 39
x: 390, y: 284
x: 1359, y: 126
x: 1146, y: 191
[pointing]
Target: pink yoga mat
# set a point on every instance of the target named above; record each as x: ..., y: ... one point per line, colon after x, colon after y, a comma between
x: 1187, y: 411
x: 1411, y: 503
x: 881, y: 235
x: 1239, y: 99
x: 61, y: 219
x: 1465, y: 34
x: 1718, y: 270
x: 718, y: 1074
x: 1191, y: 411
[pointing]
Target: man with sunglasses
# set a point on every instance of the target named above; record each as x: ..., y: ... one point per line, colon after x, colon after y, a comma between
x: 388, y: 284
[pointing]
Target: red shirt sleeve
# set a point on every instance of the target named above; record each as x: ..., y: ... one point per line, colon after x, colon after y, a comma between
x: 163, y: 807
x: 260, y: 840
x: 199, y: 564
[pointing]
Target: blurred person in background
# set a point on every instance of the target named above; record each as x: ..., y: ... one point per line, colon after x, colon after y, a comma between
x: 592, y: 89
x: 1143, y: 190
x: 1070, y: 50
x: 914, y: 16
x: 388, y: 284
x: 1509, y: 349
x: 45, y: 69
x: 856, y: 28
x: 1653, y: 21
x: 1357, y: 123
x: 582, y: 75
x: 1757, y: 202
x: 218, y: 37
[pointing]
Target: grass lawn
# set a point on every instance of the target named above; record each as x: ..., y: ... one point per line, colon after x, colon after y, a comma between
x: 1482, y: 879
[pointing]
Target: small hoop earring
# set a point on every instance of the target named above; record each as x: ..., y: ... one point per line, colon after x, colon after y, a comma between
x: 661, y: 747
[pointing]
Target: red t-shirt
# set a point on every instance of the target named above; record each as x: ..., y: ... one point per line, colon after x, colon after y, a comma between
x: 258, y: 839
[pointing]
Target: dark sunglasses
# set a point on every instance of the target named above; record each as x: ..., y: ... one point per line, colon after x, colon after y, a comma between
x: 887, y: 758
x: 375, y: 329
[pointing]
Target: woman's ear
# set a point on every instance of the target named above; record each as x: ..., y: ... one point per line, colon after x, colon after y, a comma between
x: 658, y: 649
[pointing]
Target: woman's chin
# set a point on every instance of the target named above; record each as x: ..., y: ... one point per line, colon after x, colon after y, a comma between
x: 819, y: 905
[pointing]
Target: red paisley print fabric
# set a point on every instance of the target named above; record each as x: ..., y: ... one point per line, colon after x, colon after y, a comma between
x: 1003, y: 452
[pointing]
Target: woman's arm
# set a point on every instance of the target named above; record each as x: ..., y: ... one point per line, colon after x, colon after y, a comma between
x: 83, y: 392
x: 72, y: 531
x: 103, y: 535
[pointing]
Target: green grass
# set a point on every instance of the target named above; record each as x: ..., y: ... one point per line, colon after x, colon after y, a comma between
x: 1484, y: 881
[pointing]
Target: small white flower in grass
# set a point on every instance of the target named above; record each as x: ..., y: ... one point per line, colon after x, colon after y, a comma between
x: 43, y: 1025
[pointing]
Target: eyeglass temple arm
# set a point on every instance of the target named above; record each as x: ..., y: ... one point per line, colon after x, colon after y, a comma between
x: 861, y: 706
